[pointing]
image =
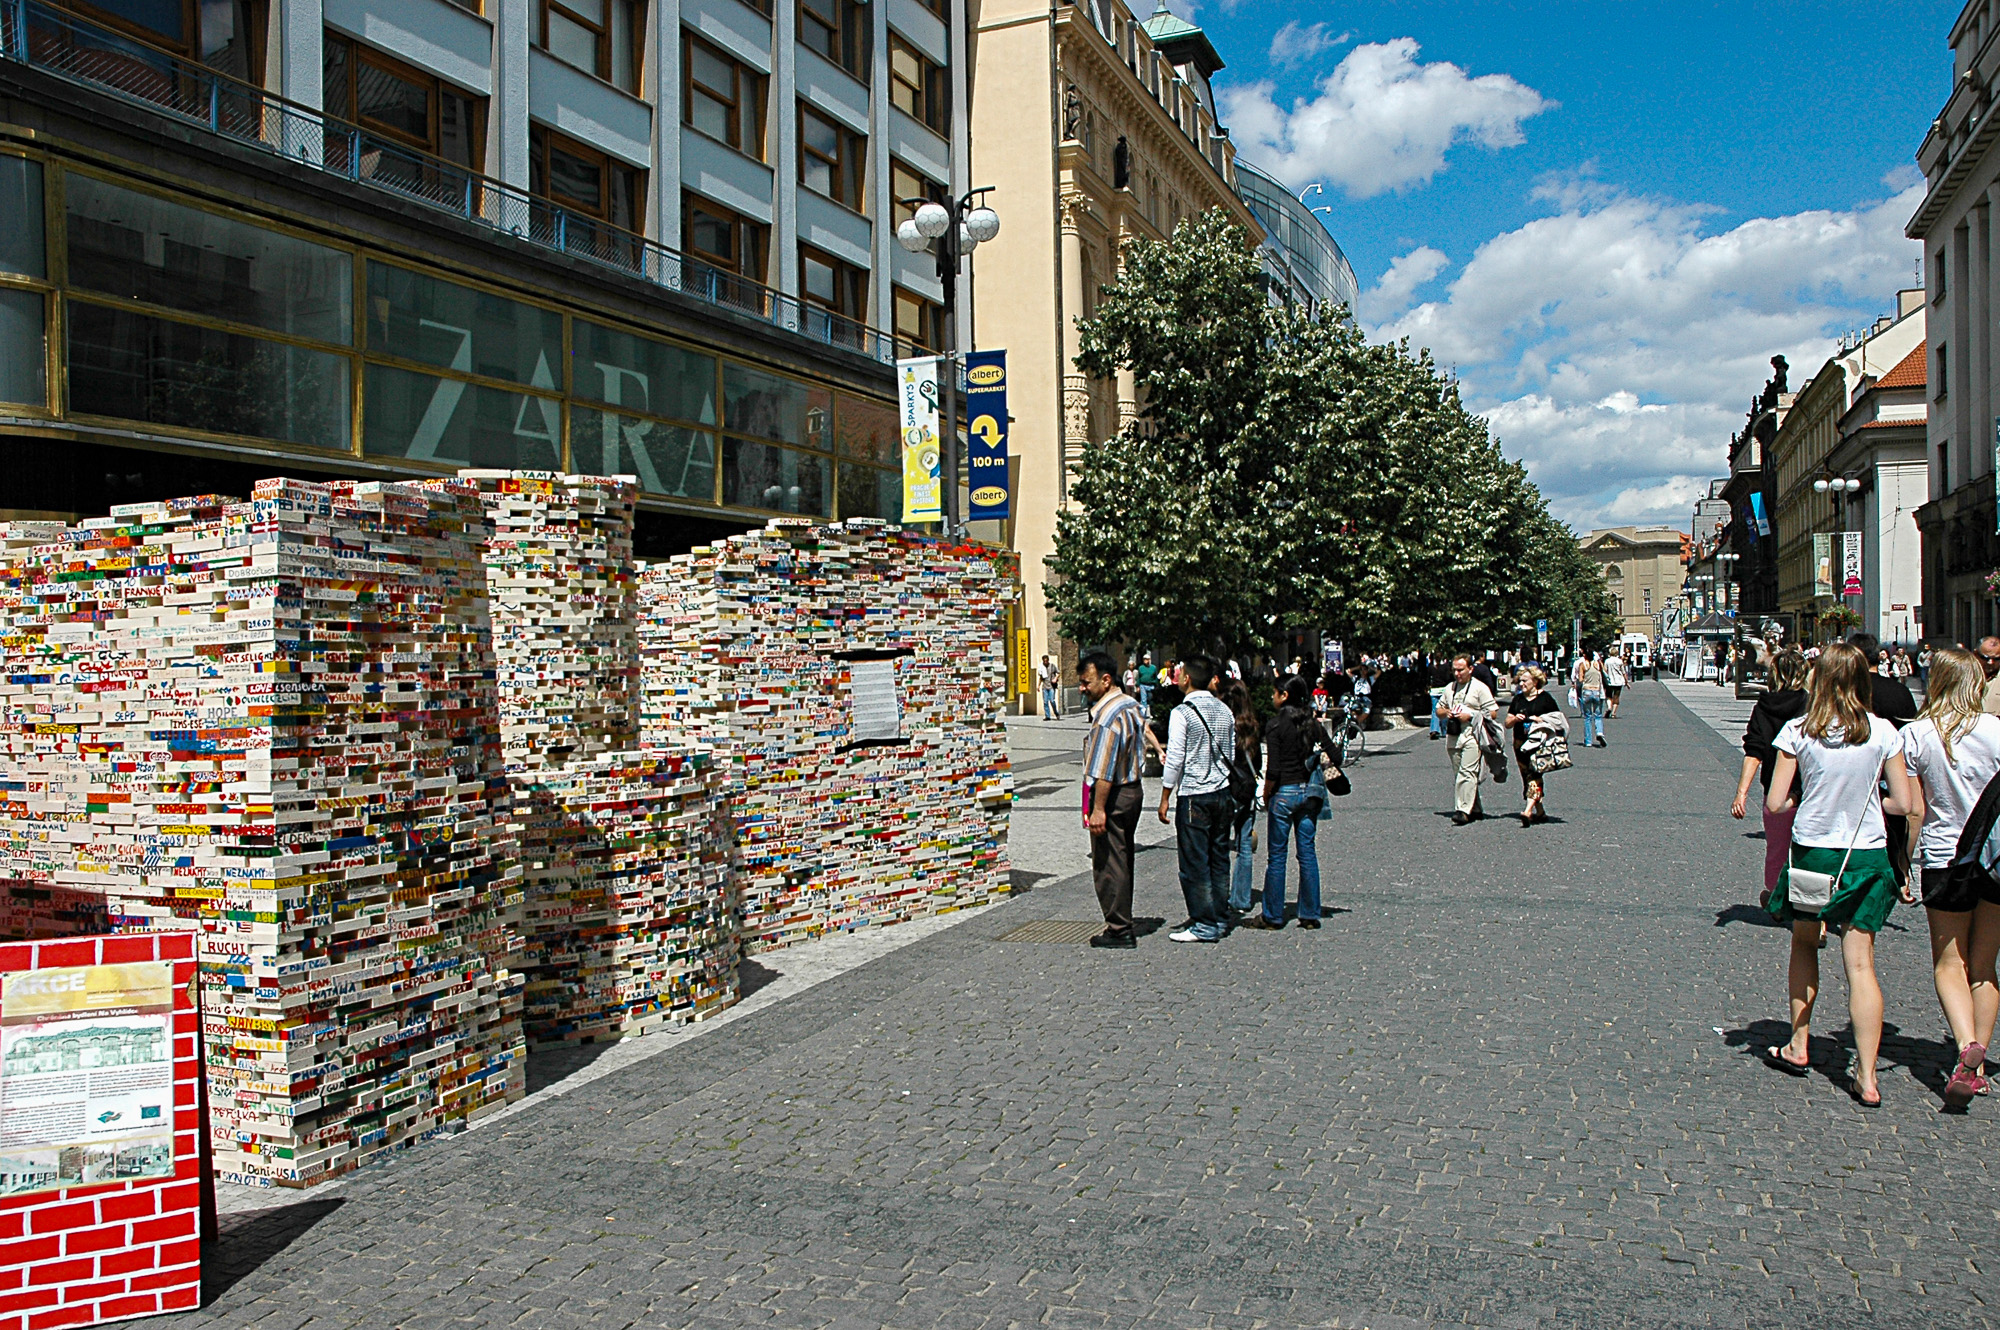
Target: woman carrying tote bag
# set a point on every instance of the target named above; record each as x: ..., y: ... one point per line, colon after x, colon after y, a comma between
x: 1839, y: 876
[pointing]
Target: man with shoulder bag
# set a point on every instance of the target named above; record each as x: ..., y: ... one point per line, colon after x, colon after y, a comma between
x: 1201, y: 740
x: 1465, y: 703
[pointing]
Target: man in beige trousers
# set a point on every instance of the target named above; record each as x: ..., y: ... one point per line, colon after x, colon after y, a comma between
x: 1465, y: 703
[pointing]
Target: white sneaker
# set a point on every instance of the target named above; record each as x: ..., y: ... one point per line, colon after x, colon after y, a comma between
x: 1185, y: 935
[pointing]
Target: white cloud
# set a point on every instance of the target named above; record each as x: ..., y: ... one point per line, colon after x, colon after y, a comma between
x: 1296, y: 43
x: 1392, y: 290
x: 1380, y: 121
x: 1616, y: 343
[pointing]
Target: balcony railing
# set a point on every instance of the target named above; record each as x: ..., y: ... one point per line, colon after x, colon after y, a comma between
x: 75, y: 48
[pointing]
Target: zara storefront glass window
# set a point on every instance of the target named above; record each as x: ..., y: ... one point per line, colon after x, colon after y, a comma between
x: 758, y: 475
x: 451, y: 422
x: 23, y: 311
x: 460, y: 328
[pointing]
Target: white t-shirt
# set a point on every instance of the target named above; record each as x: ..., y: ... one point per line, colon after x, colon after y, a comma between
x: 1950, y: 788
x: 1839, y: 784
x: 1614, y: 672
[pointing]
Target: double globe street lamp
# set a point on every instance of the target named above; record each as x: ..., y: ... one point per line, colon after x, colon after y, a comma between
x: 954, y: 229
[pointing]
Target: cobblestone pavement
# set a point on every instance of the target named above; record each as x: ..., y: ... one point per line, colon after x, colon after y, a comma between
x: 1509, y: 1083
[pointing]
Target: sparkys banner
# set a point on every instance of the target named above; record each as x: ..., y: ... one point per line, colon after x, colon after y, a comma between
x: 923, y: 450
x: 986, y: 447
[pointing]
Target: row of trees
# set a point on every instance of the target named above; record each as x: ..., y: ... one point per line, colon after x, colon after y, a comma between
x: 1289, y: 474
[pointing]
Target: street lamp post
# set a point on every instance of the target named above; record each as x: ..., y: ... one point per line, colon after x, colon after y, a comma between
x: 956, y: 229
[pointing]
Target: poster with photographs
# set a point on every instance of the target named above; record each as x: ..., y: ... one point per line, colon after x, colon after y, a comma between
x: 86, y: 1076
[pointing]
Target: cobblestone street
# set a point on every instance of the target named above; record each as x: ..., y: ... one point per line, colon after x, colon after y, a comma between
x: 1510, y: 1083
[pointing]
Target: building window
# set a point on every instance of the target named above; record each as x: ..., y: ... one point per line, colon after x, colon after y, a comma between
x: 906, y: 182
x: 583, y: 180
x: 723, y: 98
x: 1938, y: 270
x: 1943, y: 372
x: 917, y: 85
x: 226, y: 35
x: 833, y: 285
x: 831, y: 159
x: 919, y: 321
x: 599, y: 37
x: 721, y: 241
x: 400, y: 103
x: 838, y: 30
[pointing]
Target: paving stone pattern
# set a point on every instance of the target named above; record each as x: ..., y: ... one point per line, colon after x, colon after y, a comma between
x: 1509, y: 1083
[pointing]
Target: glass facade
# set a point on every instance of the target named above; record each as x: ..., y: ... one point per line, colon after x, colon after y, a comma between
x: 1305, y: 255
x: 206, y: 322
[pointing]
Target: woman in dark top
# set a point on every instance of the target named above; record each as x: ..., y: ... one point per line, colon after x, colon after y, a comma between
x: 1783, y: 700
x: 1531, y: 699
x: 1292, y: 748
x: 1249, y: 759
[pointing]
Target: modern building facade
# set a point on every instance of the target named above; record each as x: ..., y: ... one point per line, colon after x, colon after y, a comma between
x: 1642, y: 571
x: 1303, y: 263
x: 1960, y: 159
x: 1132, y: 148
x: 1882, y: 443
x: 357, y: 238
x: 1802, y: 453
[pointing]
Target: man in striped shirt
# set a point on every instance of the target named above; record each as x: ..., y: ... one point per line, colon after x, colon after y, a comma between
x: 1113, y: 758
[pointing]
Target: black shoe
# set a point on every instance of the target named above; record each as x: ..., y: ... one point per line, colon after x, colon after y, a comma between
x: 1459, y: 819
x: 1308, y: 923
x: 1436, y: 737
x: 1258, y: 921
x: 1601, y: 743
x: 1122, y: 941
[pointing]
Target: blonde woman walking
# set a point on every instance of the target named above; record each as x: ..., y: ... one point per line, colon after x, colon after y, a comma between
x: 1839, y: 871
x: 1953, y: 749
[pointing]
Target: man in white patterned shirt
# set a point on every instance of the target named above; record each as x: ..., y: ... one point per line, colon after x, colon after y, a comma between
x: 1113, y: 761
x: 1201, y: 740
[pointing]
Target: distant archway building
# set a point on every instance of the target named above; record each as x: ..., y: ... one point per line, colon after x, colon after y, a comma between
x: 1642, y: 571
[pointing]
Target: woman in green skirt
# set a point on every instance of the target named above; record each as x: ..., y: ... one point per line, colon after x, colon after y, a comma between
x: 1840, y: 752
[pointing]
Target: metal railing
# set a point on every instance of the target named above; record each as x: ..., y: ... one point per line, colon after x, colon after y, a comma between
x: 75, y: 48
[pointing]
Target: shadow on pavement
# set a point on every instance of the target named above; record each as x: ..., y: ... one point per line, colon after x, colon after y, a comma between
x: 751, y: 976
x: 1021, y: 880
x: 1748, y: 914
x: 249, y: 1239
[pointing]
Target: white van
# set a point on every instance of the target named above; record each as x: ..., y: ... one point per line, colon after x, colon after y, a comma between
x: 1638, y: 649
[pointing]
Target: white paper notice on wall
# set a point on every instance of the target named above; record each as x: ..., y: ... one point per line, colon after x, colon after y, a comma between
x: 877, y: 715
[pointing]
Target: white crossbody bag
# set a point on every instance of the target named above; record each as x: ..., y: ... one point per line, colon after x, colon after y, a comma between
x: 1808, y: 892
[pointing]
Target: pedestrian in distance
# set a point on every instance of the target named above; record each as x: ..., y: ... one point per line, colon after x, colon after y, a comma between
x: 1924, y: 664
x: 1129, y: 682
x: 1149, y: 679
x: 1114, y: 793
x: 1889, y: 698
x: 1615, y: 674
x: 1051, y: 680
x: 1839, y: 869
x: 1783, y: 700
x: 1440, y: 679
x: 1466, y: 702
x: 1245, y: 775
x: 1953, y: 750
x: 1195, y: 785
x: 1297, y: 748
x: 1525, y: 710
x: 1589, y: 682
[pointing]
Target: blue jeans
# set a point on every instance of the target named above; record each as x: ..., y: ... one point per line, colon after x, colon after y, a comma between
x: 1592, y: 706
x: 1288, y: 812
x: 1146, y: 697
x: 1049, y: 711
x: 1239, y: 875
x: 1202, y: 828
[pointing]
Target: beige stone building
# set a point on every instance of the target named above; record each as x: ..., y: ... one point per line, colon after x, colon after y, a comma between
x: 1093, y: 127
x: 1642, y: 571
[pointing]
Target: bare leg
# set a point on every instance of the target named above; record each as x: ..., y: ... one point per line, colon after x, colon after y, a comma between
x: 1949, y: 930
x: 1804, y: 979
x: 1980, y: 953
x: 1864, y: 1005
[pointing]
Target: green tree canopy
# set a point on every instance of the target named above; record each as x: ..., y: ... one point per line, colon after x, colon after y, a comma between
x: 1284, y: 472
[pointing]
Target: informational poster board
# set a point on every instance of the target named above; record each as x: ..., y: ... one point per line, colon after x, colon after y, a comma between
x: 100, y: 1108
x: 877, y: 716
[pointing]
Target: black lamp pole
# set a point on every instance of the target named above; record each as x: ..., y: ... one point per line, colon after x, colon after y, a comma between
x: 951, y: 251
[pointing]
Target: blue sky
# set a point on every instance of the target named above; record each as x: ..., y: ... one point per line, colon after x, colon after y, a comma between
x: 1605, y: 217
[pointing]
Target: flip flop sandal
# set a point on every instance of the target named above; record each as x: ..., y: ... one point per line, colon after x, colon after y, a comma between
x: 1964, y: 1082
x: 1854, y: 1093
x: 1774, y: 1055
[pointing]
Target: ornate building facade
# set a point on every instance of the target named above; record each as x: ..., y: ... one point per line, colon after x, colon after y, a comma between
x: 1132, y: 147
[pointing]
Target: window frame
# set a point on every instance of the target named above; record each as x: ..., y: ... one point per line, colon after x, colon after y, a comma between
x: 746, y: 102
x: 359, y: 53
x: 541, y: 150
x: 929, y: 95
x: 741, y: 228
x: 929, y: 316
x: 606, y: 46
x: 923, y: 188
x: 852, y: 35
x: 849, y: 166
x: 188, y: 47
x: 850, y: 281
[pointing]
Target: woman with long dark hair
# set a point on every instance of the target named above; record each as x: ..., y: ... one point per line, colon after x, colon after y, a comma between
x: 1782, y: 700
x: 1248, y: 763
x: 1839, y: 876
x: 1293, y: 749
